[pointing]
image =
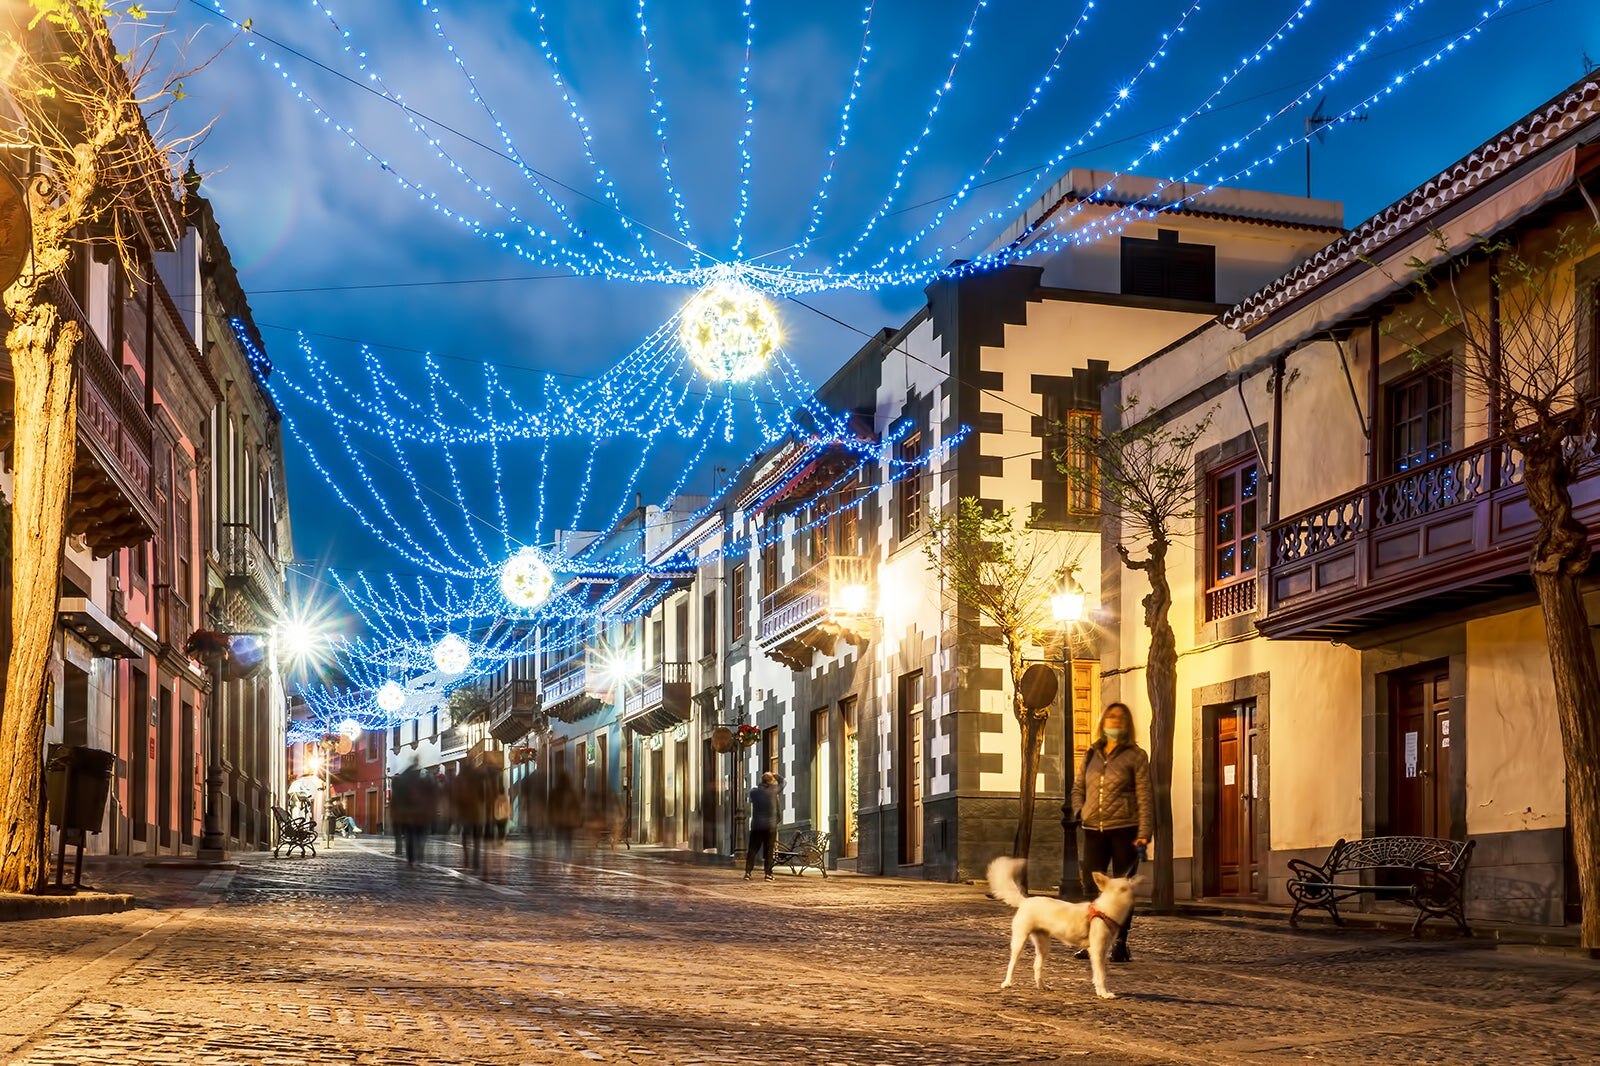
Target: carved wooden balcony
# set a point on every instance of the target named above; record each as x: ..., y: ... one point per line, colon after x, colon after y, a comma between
x: 1444, y: 536
x: 809, y: 613
x: 113, y: 494
x: 514, y: 711
x: 565, y: 686
x: 659, y: 700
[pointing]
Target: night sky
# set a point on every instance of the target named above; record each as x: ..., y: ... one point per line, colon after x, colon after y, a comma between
x: 320, y: 234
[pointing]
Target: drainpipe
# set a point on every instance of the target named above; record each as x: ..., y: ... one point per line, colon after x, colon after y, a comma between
x: 1273, y: 484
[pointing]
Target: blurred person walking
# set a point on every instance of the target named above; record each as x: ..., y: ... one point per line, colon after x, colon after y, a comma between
x: 763, y: 823
x: 565, y: 814
x: 412, y: 802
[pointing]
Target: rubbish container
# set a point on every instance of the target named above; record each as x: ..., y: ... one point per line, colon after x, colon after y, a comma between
x: 77, y: 784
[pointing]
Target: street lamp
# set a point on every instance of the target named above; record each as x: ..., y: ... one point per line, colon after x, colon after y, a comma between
x: 1067, y: 609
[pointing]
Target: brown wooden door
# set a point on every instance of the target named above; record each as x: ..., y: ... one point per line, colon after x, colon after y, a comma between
x: 849, y: 768
x: 1420, y: 752
x: 911, y: 770
x: 658, y: 795
x: 1235, y: 865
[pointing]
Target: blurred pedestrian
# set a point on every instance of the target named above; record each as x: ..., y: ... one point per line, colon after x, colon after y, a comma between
x: 412, y: 802
x: 565, y: 814
x: 763, y: 823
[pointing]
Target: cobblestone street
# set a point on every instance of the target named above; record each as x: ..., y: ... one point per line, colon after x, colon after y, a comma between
x: 353, y: 958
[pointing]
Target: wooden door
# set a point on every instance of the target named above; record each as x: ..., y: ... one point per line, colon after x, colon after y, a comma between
x: 821, y: 777
x: 911, y: 770
x: 1420, y: 752
x: 849, y: 761
x: 658, y: 794
x: 1235, y: 867
x: 680, y: 770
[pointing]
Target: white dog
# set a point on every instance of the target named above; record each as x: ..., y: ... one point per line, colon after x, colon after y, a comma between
x: 1039, y: 918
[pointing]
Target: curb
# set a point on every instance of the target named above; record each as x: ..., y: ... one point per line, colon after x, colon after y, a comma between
x: 20, y: 907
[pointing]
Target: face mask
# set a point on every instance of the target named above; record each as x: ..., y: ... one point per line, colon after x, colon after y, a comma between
x: 1115, y: 732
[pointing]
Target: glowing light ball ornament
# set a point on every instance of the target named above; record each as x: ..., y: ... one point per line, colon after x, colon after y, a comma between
x: 730, y: 330
x: 391, y: 697
x: 452, y: 655
x: 350, y: 728
x: 525, y: 580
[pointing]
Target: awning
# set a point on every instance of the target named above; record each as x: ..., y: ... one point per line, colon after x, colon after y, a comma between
x: 84, y: 617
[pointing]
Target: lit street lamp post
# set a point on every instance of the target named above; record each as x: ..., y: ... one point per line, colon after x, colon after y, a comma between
x: 1067, y: 608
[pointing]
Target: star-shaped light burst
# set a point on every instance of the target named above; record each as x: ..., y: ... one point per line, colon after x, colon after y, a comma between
x: 730, y: 329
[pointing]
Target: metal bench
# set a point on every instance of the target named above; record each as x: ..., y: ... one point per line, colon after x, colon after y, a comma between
x: 294, y: 833
x: 807, y: 848
x: 1434, y: 877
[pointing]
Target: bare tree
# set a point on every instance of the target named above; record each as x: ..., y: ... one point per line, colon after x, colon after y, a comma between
x: 1006, y: 573
x: 1507, y: 316
x: 1147, y: 477
x: 83, y: 113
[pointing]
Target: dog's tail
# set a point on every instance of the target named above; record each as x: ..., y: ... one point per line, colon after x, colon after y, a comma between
x: 1003, y: 883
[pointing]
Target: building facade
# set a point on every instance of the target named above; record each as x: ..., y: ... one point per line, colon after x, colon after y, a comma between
x: 1359, y: 649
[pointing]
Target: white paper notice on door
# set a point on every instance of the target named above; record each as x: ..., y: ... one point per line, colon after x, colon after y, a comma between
x: 1255, y: 776
x: 1411, y: 755
x: 1228, y: 774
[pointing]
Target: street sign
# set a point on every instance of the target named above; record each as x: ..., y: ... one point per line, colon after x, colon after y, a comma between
x: 1039, y: 686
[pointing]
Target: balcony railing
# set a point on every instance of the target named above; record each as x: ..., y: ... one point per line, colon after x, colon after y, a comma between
x: 659, y: 700
x: 247, y: 563
x: 1448, y: 532
x: 514, y: 709
x: 117, y: 437
x: 566, y: 695
x: 811, y: 597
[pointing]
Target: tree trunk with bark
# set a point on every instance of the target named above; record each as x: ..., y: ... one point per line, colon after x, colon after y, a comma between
x: 1559, y: 560
x: 42, y: 354
x: 1161, y: 686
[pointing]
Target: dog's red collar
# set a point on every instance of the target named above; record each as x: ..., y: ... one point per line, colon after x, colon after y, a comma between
x: 1096, y: 912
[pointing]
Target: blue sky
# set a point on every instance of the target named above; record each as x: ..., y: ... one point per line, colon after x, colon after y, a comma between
x: 307, y: 216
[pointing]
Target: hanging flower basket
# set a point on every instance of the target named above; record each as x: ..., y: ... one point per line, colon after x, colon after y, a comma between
x: 748, y: 735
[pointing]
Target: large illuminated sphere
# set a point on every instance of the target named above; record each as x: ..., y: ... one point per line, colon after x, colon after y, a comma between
x: 525, y: 580
x: 452, y: 655
x: 730, y: 331
x: 391, y: 697
x: 350, y: 728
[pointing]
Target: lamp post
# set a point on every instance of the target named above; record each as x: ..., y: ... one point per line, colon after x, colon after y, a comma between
x: 1067, y: 608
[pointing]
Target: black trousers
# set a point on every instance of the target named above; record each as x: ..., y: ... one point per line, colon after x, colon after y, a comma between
x: 766, y: 839
x: 1112, y: 851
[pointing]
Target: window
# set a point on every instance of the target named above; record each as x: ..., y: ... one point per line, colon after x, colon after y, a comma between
x: 911, y: 486
x: 1070, y: 476
x: 1233, y: 512
x: 1419, y: 417
x: 681, y: 637
x: 708, y: 623
x: 1167, y: 269
x: 374, y: 746
x: 183, y: 577
x: 769, y: 750
x: 769, y: 566
x: 736, y: 608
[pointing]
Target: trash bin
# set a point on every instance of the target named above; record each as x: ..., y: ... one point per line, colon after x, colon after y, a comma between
x: 77, y: 784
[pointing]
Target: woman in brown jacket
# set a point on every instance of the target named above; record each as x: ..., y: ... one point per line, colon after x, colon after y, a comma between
x: 1111, y: 797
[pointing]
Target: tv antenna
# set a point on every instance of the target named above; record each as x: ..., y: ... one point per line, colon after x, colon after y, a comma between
x: 1316, y: 126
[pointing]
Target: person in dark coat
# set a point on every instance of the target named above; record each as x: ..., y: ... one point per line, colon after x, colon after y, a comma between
x: 412, y: 802
x: 565, y: 814
x: 764, y: 802
x: 1113, y: 800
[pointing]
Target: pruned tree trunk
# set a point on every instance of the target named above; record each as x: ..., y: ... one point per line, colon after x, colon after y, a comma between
x: 42, y: 349
x: 1033, y: 726
x: 1161, y: 685
x: 1560, y: 557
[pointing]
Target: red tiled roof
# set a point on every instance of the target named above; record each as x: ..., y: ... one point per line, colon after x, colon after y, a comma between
x: 1544, y: 127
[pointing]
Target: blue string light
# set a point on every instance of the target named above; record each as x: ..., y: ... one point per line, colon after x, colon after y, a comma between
x: 819, y: 202
x: 658, y: 110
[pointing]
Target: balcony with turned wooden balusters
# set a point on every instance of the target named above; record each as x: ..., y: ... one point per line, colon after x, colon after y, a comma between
x: 1444, y: 536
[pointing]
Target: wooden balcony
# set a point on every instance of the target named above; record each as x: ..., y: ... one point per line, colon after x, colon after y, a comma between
x: 565, y: 686
x: 113, y: 496
x: 807, y: 614
x: 660, y: 699
x: 1445, y: 536
x: 514, y: 711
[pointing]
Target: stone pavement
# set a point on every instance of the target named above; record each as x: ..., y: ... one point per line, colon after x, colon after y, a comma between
x: 354, y: 958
